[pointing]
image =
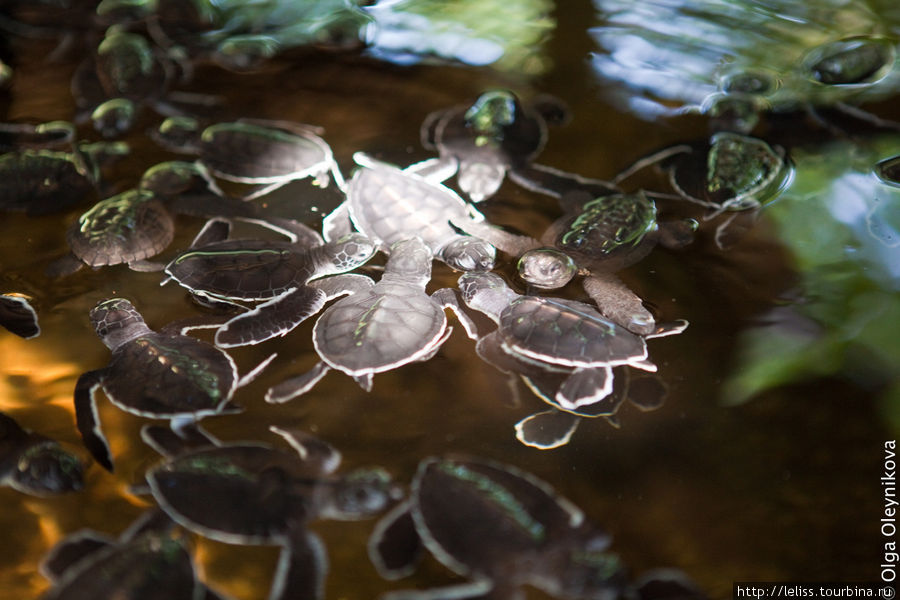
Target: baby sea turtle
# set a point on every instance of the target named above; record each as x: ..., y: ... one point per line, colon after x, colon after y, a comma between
x: 556, y: 334
x: 255, y: 151
x: 274, y: 274
x: 382, y: 326
x: 499, y: 527
x: 733, y: 173
x: 161, y: 375
x: 390, y: 205
x: 137, y: 224
x: 254, y: 493
x: 496, y: 134
x: 595, y: 237
x: 34, y: 464
x: 18, y: 316
x: 40, y: 182
x: 147, y: 562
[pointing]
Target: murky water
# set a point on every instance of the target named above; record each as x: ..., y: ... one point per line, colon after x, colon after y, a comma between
x: 784, y: 486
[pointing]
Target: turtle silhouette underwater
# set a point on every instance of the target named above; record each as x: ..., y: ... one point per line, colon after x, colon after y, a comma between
x: 160, y: 375
x: 148, y: 561
x: 254, y: 493
x: 381, y: 326
x: 34, y: 464
x: 277, y: 275
x: 389, y: 205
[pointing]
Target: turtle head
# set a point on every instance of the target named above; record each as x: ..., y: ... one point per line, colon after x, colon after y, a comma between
x: 588, y: 570
x: 173, y: 177
x: 361, y: 494
x: 411, y: 259
x: 485, y: 292
x: 546, y: 268
x: 47, y: 468
x: 491, y: 113
x: 117, y: 321
x: 467, y: 253
x: 350, y: 251
x: 177, y: 133
x: 114, y: 117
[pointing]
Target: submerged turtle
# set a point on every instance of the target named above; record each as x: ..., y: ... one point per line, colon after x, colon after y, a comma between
x: 40, y: 182
x: 595, y: 237
x: 381, y: 326
x: 18, y: 316
x: 136, y: 225
x: 496, y: 134
x: 255, y: 151
x: 390, y: 205
x: 555, y: 334
x: 162, y: 375
x: 254, y: 493
x: 34, y: 464
x: 146, y: 562
x: 499, y: 527
x: 733, y: 173
x: 274, y: 274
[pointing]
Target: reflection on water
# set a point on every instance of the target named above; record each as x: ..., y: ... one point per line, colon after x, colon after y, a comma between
x: 798, y: 319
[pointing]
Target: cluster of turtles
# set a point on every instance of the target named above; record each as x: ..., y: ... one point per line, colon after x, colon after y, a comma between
x: 582, y: 359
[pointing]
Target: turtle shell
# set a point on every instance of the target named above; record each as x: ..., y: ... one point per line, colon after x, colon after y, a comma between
x: 244, y: 269
x: 125, y: 228
x: 251, y: 153
x: 41, y: 182
x: 379, y: 329
x: 389, y: 205
x: 565, y: 332
x: 160, y: 375
x: 242, y: 493
x: 484, y: 517
x: 613, y: 228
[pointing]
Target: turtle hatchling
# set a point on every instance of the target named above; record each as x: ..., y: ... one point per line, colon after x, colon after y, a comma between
x: 498, y: 527
x: 255, y: 493
x: 160, y: 375
x: 267, y: 153
x: 389, y: 205
x: 34, y: 464
x: 148, y: 561
x: 382, y: 326
x: 274, y: 274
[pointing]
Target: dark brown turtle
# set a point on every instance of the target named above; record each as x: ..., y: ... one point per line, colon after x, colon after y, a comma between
x: 160, y: 375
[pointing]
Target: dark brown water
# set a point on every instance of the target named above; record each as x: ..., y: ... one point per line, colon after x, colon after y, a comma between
x: 783, y: 487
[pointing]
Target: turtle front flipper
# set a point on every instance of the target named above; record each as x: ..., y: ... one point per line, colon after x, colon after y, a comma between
x: 547, y: 430
x: 168, y: 443
x: 337, y: 224
x: 555, y: 182
x: 301, y: 568
x: 584, y: 386
x: 297, y: 386
x: 18, y: 316
x: 618, y: 303
x: 72, y: 550
x: 312, y: 451
x: 395, y: 547
x: 87, y: 418
x: 274, y: 318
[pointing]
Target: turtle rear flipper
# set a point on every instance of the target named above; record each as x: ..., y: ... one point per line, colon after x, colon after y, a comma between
x: 168, y: 443
x: 395, y: 547
x: 619, y: 304
x: 87, y: 419
x: 547, y: 430
x: 273, y: 318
